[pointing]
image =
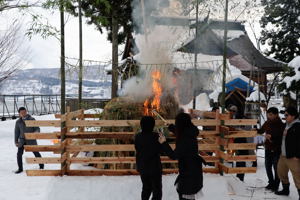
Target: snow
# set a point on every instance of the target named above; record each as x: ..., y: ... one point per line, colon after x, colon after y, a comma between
x: 295, y: 63
x: 202, y: 103
x: 14, y: 186
x: 254, y: 96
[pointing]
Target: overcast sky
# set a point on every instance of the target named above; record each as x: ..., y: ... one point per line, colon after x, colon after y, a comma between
x: 45, y: 53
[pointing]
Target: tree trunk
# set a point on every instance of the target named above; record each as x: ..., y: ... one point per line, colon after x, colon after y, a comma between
x: 115, y: 28
x: 63, y: 82
x: 62, y: 58
x: 80, y: 75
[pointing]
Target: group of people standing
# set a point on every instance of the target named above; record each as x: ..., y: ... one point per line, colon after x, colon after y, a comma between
x: 282, y: 149
x: 282, y: 154
x: 149, y: 145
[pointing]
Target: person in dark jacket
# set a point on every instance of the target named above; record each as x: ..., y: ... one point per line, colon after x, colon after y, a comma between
x: 290, y: 152
x: 190, y: 179
x: 148, y: 161
x: 273, y: 129
x: 20, y: 140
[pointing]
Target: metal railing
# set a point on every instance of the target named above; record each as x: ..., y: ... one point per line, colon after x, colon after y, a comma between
x: 35, y: 105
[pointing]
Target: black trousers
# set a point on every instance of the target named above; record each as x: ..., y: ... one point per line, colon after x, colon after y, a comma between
x: 20, y: 154
x: 271, y: 161
x: 152, y: 184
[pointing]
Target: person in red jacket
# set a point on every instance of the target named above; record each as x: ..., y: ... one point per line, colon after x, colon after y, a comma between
x: 273, y: 128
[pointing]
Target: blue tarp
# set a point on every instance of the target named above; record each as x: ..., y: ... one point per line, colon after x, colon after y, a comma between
x: 237, y: 83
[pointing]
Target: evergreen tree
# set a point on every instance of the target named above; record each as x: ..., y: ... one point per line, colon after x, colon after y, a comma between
x: 281, y: 28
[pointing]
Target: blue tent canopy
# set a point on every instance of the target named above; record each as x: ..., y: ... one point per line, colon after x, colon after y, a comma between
x: 238, y: 83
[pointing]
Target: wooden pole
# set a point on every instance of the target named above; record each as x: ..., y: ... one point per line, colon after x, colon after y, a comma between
x: 63, y: 81
x: 80, y: 76
x: 196, y: 55
x: 224, y: 58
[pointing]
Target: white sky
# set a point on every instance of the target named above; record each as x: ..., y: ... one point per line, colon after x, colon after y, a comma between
x: 46, y: 53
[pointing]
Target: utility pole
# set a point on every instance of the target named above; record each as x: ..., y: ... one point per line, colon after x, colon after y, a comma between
x: 196, y: 55
x: 224, y: 58
x: 80, y: 76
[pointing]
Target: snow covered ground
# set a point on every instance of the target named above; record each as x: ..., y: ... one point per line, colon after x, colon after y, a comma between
x: 20, y: 186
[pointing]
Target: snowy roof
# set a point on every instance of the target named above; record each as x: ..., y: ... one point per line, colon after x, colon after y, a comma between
x: 240, y: 51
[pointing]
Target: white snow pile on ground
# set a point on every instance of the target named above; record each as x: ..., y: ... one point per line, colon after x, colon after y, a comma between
x: 254, y: 96
x: 20, y: 186
x: 295, y: 63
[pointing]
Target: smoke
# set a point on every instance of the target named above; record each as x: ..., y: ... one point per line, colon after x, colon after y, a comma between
x: 155, y: 44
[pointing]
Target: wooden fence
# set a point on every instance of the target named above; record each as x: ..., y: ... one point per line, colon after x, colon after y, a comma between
x: 216, y: 145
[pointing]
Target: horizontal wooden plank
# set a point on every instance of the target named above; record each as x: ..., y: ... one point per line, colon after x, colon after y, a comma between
x: 95, y: 135
x: 241, y: 134
x: 240, y: 170
x: 103, y: 172
x: 42, y: 123
x: 43, y: 160
x: 42, y: 148
x: 41, y: 136
x: 125, y: 123
x: 111, y: 160
x: 43, y: 172
x: 240, y: 122
x: 241, y: 146
x: 58, y: 116
x: 127, y: 147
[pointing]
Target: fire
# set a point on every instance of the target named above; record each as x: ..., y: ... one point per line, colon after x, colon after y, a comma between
x: 157, y: 91
x: 55, y: 141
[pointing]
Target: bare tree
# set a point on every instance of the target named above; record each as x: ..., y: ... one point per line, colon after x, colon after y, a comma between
x: 10, y: 51
x: 13, y: 4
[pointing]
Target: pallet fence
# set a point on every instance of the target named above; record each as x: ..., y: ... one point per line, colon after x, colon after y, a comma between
x: 78, y: 126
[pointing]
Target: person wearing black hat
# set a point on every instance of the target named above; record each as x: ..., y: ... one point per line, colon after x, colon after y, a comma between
x: 148, y: 161
x: 20, y: 140
x: 290, y: 152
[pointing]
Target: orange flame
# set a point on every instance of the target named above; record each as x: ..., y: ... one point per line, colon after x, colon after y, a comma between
x: 157, y: 91
x: 55, y: 141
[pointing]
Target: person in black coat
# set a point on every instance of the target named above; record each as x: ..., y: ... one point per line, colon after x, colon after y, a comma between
x: 20, y: 140
x: 190, y: 179
x: 148, y: 161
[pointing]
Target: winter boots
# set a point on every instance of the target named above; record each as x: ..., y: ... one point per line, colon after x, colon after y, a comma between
x: 19, y: 171
x: 285, y: 191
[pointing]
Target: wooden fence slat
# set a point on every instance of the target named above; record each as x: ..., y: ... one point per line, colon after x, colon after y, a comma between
x: 43, y: 172
x: 241, y: 134
x: 44, y: 123
x: 241, y: 146
x: 240, y: 122
x: 128, y: 159
x: 125, y: 123
x: 127, y: 147
x: 38, y: 148
x: 44, y: 160
x: 41, y: 136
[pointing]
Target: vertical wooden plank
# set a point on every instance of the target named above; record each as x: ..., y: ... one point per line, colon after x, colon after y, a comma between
x: 218, y: 141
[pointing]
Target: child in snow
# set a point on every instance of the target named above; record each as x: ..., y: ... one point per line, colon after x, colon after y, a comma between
x: 148, y: 159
